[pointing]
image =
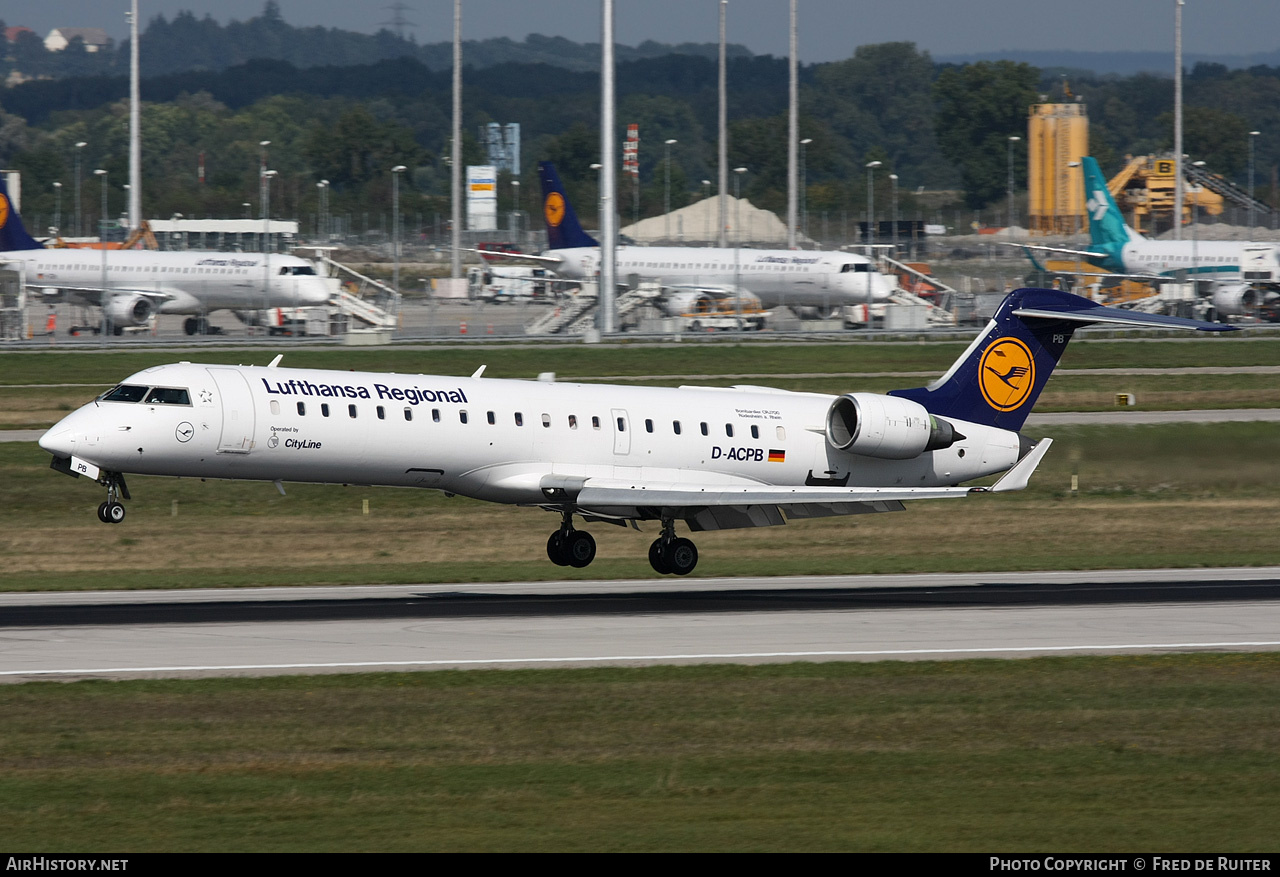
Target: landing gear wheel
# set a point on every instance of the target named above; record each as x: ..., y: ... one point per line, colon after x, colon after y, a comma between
x: 102, y: 513
x: 580, y: 549
x: 657, y: 558
x: 114, y: 512
x: 556, y: 550
x: 681, y: 557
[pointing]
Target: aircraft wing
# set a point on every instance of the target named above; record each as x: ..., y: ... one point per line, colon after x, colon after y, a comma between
x: 715, y: 291
x: 726, y: 507
x: 93, y: 294
x: 1086, y: 253
x: 516, y: 257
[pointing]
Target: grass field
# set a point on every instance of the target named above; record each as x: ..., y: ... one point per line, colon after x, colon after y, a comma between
x: 1171, y: 753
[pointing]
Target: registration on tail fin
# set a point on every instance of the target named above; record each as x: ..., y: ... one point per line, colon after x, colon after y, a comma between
x: 13, y: 235
x: 997, y: 380
x: 564, y: 232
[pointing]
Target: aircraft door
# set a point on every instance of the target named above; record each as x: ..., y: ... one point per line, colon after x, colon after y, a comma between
x: 621, y: 431
x: 238, y: 418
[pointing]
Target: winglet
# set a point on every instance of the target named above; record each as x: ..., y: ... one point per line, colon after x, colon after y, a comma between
x: 275, y: 362
x: 1017, y: 477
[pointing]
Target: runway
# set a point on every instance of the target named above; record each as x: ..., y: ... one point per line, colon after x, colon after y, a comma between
x: 272, y: 631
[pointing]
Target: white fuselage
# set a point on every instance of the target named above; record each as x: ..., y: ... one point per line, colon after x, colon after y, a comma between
x: 800, y: 278
x: 492, y: 439
x: 1205, y: 260
x: 187, y: 282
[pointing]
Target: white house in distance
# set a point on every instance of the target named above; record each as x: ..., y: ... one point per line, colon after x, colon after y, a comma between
x: 59, y: 38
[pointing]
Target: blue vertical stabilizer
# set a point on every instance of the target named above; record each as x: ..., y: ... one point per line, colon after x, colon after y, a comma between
x: 13, y: 235
x: 563, y: 229
x: 997, y: 380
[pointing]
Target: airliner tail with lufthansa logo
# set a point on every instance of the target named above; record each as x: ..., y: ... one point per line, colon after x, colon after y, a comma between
x: 694, y: 277
x: 712, y: 458
x: 132, y: 286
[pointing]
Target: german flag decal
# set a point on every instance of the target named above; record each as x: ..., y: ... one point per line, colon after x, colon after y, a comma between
x: 776, y: 456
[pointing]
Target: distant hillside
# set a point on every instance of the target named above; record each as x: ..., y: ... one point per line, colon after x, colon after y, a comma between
x: 1119, y: 63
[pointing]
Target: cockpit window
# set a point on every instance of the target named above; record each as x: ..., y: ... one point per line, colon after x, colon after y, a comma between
x: 125, y: 393
x: 298, y: 269
x: 855, y: 267
x: 168, y: 396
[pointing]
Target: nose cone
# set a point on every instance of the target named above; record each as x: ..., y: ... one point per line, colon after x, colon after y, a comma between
x: 59, y: 441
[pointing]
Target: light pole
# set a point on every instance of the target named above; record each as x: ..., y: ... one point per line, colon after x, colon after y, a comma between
x: 737, y: 238
x: 666, y: 190
x: 322, y: 189
x: 515, y: 212
x: 706, y: 193
x: 893, y: 179
x: 102, y: 296
x: 871, y: 206
x: 266, y: 234
x: 246, y: 205
x: 804, y: 187
x: 1252, y: 219
x: 79, y: 146
x: 1012, y: 212
x: 57, y: 210
x: 595, y: 166
x: 262, y: 176
x: 395, y: 225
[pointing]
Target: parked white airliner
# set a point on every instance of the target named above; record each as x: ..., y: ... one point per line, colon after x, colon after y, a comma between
x: 812, y: 279
x: 714, y: 458
x: 132, y: 286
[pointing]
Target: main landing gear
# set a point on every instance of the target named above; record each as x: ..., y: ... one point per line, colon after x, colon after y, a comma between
x: 570, y: 547
x: 670, y: 554
x: 112, y: 511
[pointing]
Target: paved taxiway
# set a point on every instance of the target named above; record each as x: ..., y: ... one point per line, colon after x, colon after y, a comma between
x: 273, y: 631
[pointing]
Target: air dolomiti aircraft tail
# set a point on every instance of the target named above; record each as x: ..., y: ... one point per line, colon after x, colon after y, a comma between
x: 716, y: 458
x: 13, y: 234
x: 564, y: 232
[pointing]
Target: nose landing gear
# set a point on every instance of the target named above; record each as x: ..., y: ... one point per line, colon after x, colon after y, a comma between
x: 112, y: 511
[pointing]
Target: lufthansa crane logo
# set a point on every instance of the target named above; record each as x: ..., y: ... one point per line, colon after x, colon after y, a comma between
x: 1006, y: 373
x: 4, y: 211
x: 554, y: 209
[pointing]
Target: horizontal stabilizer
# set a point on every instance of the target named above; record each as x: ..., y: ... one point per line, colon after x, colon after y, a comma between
x: 1085, y: 311
x: 1017, y: 477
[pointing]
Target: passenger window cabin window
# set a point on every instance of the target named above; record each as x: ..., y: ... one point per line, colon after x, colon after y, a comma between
x: 435, y: 414
x: 275, y: 406
x: 324, y: 409
x: 622, y: 424
x: 573, y: 421
x: 755, y: 431
x: 703, y: 427
x: 782, y: 433
x: 546, y: 421
x: 351, y: 411
x: 648, y: 425
x: 382, y: 413
x: 302, y: 409
x: 408, y: 414
x: 595, y: 422
x: 492, y: 420
x: 728, y: 430
x: 675, y: 426
x: 519, y: 419
x: 462, y: 416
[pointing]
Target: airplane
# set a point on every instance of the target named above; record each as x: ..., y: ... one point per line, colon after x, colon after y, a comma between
x: 715, y: 458
x: 812, y: 279
x: 1239, y: 274
x: 142, y: 283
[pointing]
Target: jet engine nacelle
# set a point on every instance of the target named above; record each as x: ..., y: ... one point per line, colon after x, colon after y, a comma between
x: 693, y: 301
x: 1233, y: 299
x: 886, y: 427
x: 129, y: 310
